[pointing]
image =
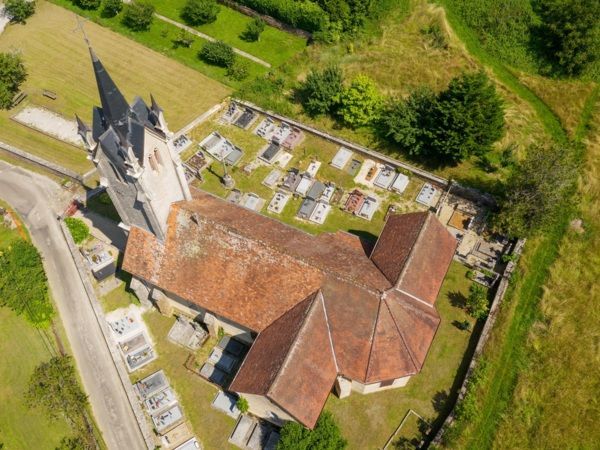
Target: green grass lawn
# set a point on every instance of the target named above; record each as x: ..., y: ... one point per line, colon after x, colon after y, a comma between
x: 368, y: 421
x: 57, y: 59
x: 311, y: 148
x: 120, y: 297
x: 275, y: 46
x: 212, y: 428
x: 160, y: 39
x: 22, y: 348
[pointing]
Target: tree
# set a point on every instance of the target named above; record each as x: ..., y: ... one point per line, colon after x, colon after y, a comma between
x: 183, y: 39
x: 87, y: 4
x: 19, y: 10
x: 477, y: 302
x: 242, y: 404
x: 198, y: 12
x: 78, y: 229
x: 360, y: 103
x: 325, y: 436
x: 253, y: 30
x: 218, y: 53
x: 12, y: 74
x: 238, y: 70
x: 23, y: 285
x: 110, y: 8
x: 321, y: 90
x: 138, y: 15
x: 571, y: 33
x: 54, y: 388
x: 537, y: 190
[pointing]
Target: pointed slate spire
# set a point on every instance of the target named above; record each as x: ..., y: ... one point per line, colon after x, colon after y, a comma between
x: 154, y: 105
x: 82, y: 127
x: 114, y: 105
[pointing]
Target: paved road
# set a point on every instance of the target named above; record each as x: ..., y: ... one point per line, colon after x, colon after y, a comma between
x: 36, y: 199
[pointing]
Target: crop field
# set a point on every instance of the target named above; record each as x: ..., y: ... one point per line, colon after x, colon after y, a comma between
x: 57, y: 60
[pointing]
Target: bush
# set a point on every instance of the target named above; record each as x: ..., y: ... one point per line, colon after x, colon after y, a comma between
x: 138, y: 15
x: 183, y: 39
x: 198, y: 12
x: 19, y: 10
x: 238, y: 70
x: 325, y: 436
x: 360, y: 103
x: 301, y: 14
x: 78, y: 229
x: 242, y: 405
x: 477, y: 302
x: 253, y: 30
x: 217, y: 53
x: 87, y: 4
x: 12, y: 74
x: 23, y: 285
x: 110, y: 8
x: 321, y: 90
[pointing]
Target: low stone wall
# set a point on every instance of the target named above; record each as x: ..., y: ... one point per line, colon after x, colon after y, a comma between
x: 272, y: 21
x: 62, y: 171
x: 484, y: 336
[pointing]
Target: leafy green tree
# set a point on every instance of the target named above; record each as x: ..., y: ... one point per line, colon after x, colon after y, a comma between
x: 238, y: 70
x: 54, y: 388
x: 138, y: 15
x: 360, y: 103
x: 87, y: 4
x: 12, y: 74
x: 537, y: 190
x: 242, y: 404
x: 19, y: 10
x: 477, y: 302
x: 253, y: 30
x: 325, y: 436
x: 198, y: 12
x: 23, y: 285
x: 218, y: 53
x: 78, y: 229
x: 321, y: 90
x: 572, y: 32
x: 110, y: 8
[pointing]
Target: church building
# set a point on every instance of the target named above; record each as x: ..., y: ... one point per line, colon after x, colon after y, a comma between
x: 322, y: 313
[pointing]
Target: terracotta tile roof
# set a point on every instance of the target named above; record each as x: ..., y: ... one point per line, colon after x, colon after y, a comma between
x: 296, y: 374
x: 320, y: 305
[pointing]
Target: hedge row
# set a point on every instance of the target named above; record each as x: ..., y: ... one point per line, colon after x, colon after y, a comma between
x: 302, y: 14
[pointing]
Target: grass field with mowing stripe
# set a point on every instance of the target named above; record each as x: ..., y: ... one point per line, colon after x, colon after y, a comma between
x: 57, y: 59
x: 274, y: 46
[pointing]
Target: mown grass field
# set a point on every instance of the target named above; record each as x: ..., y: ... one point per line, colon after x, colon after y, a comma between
x: 57, y: 59
x: 22, y: 348
x: 160, y: 39
x: 368, y: 421
x: 274, y: 46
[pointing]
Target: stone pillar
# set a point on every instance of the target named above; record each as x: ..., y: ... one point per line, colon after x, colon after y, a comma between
x: 212, y: 324
x: 343, y: 387
x: 163, y: 303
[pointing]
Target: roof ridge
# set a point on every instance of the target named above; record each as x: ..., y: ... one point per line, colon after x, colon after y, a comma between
x: 401, y: 334
x: 424, y: 224
x: 294, y: 341
x: 372, y: 340
x: 337, y: 367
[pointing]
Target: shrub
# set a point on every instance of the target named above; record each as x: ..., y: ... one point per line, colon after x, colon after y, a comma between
x: 360, y: 103
x: 325, y: 436
x: 23, y: 285
x: 110, y: 8
x: 87, y: 4
x: 242, y: 405
x: 218, y: 53
x: 138, y: 15
x: 238, y: 70
x: 19, y: 10
x: 12, y: 74
x: 78, y: 229
x: 253, y: 30
x: 321, y: 90
x: 183, y: 39
x: 477, y: 302
x: 198, y: 12
x: 301, y: 14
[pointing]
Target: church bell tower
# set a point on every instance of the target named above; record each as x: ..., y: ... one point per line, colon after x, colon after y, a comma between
x: 132, y: 149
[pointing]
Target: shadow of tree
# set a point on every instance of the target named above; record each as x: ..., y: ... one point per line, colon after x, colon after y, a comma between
x: 439, y: 402
x: 457, y: 299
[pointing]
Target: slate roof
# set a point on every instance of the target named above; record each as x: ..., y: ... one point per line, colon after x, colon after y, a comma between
x: 370, y: 323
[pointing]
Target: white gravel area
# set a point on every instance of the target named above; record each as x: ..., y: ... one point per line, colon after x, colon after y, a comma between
x: 50, y: 123
x: 3, y: 19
